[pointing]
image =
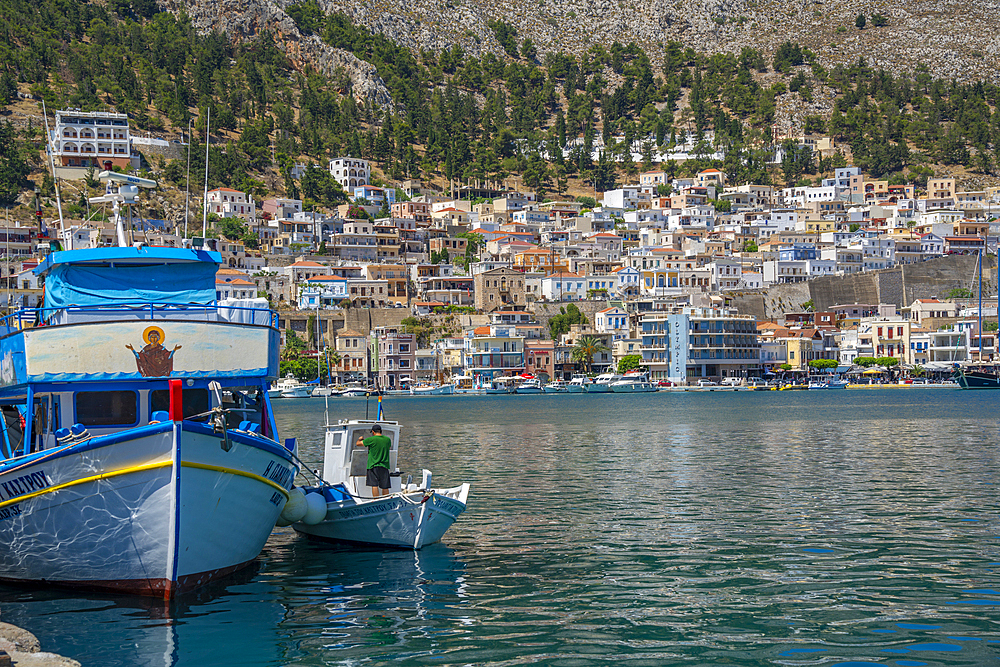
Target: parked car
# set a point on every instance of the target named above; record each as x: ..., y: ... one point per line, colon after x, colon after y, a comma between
x: 664, y: 383
x: 707, y: 383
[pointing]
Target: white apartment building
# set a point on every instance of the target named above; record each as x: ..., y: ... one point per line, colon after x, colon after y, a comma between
x: 229, y: 203
x: 876, y: 252
x: 89, y: 139
x: 778, y: 271
x: 727, y: 274
x: 350, y: 172
x: 628, y: 198
x: 801, y: 196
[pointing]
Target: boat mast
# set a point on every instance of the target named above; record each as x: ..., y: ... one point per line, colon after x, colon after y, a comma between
x: 980, y: 306
x: 187, y: 184
x: 204, y: 206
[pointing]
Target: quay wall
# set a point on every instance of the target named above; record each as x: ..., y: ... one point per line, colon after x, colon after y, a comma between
x: 900, y: 285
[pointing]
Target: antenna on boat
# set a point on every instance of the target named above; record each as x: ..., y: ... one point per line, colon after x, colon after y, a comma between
x: 126, y: 193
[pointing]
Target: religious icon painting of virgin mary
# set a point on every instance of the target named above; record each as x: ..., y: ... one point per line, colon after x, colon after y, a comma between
x: 154, y: 360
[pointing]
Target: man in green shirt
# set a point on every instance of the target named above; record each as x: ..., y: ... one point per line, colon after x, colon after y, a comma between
x: 378, y: 461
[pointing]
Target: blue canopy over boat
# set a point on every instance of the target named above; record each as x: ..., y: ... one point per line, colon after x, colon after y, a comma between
x: 105, y: 276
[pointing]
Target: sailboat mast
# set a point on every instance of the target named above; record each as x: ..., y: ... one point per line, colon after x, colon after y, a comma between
x: 204, y: 207
x: 980, y: 306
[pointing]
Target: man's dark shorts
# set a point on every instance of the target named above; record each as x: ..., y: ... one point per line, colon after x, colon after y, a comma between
x: 379, y: 477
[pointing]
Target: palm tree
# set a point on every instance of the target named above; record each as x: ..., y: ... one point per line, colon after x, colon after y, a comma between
x: 332, y: 361
x: 585, y: 349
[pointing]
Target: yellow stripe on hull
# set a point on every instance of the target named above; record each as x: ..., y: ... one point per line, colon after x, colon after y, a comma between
x: 142, y: 468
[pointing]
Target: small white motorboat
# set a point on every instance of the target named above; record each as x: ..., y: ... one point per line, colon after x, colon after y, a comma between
x: 412, y: 516
x: 430, y: 389
x: 354, y: 389
x: 602, y: 383
x: 555, y: 387
x: 578, y: 384
x: 633, y: 382
x: 529, y: 386
x: 505, y: 384
x: 465, y: 384
x: 290, y: 388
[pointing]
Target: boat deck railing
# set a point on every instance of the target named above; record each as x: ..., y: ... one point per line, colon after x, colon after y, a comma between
x: 28, y: 318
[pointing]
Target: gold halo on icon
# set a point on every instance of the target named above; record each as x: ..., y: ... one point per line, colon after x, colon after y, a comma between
x: 149, y: 330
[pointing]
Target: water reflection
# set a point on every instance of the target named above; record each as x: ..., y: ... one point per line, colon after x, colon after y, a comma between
x: 303, y: 600
x: 757, y: 528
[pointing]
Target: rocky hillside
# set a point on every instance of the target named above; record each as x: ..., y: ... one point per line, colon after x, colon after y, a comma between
x: 242, y: 21
x: 934, y: 33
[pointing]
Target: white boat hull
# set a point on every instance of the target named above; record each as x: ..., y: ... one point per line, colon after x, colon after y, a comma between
x: 156, y: 514
x: 297, y: 392
x: 598, y: 389
x: 406, y: 520
x: 442, y: 390
x: 633, y: 388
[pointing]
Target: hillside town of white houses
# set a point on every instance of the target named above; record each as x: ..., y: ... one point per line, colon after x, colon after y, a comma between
x: 650, y: 264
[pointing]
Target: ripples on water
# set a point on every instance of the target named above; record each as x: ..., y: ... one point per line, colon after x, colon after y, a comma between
x: 836, y: 528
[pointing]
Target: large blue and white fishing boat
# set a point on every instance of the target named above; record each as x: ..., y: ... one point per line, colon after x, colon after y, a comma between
x: 139, y: 450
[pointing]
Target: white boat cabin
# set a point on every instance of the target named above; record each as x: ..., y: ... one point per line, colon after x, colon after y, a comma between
x: 346, y: 463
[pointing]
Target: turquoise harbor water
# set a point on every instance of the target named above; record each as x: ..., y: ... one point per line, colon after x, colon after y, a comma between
x: 753, y: 528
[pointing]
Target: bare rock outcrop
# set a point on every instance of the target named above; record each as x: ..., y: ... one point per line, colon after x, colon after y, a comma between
x: 245, y: 20
x: 952, y: 39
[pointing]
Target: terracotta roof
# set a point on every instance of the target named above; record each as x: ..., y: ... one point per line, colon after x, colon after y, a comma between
x: 481, y: 331
x: 344, y: 333
x: 306, y: 263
